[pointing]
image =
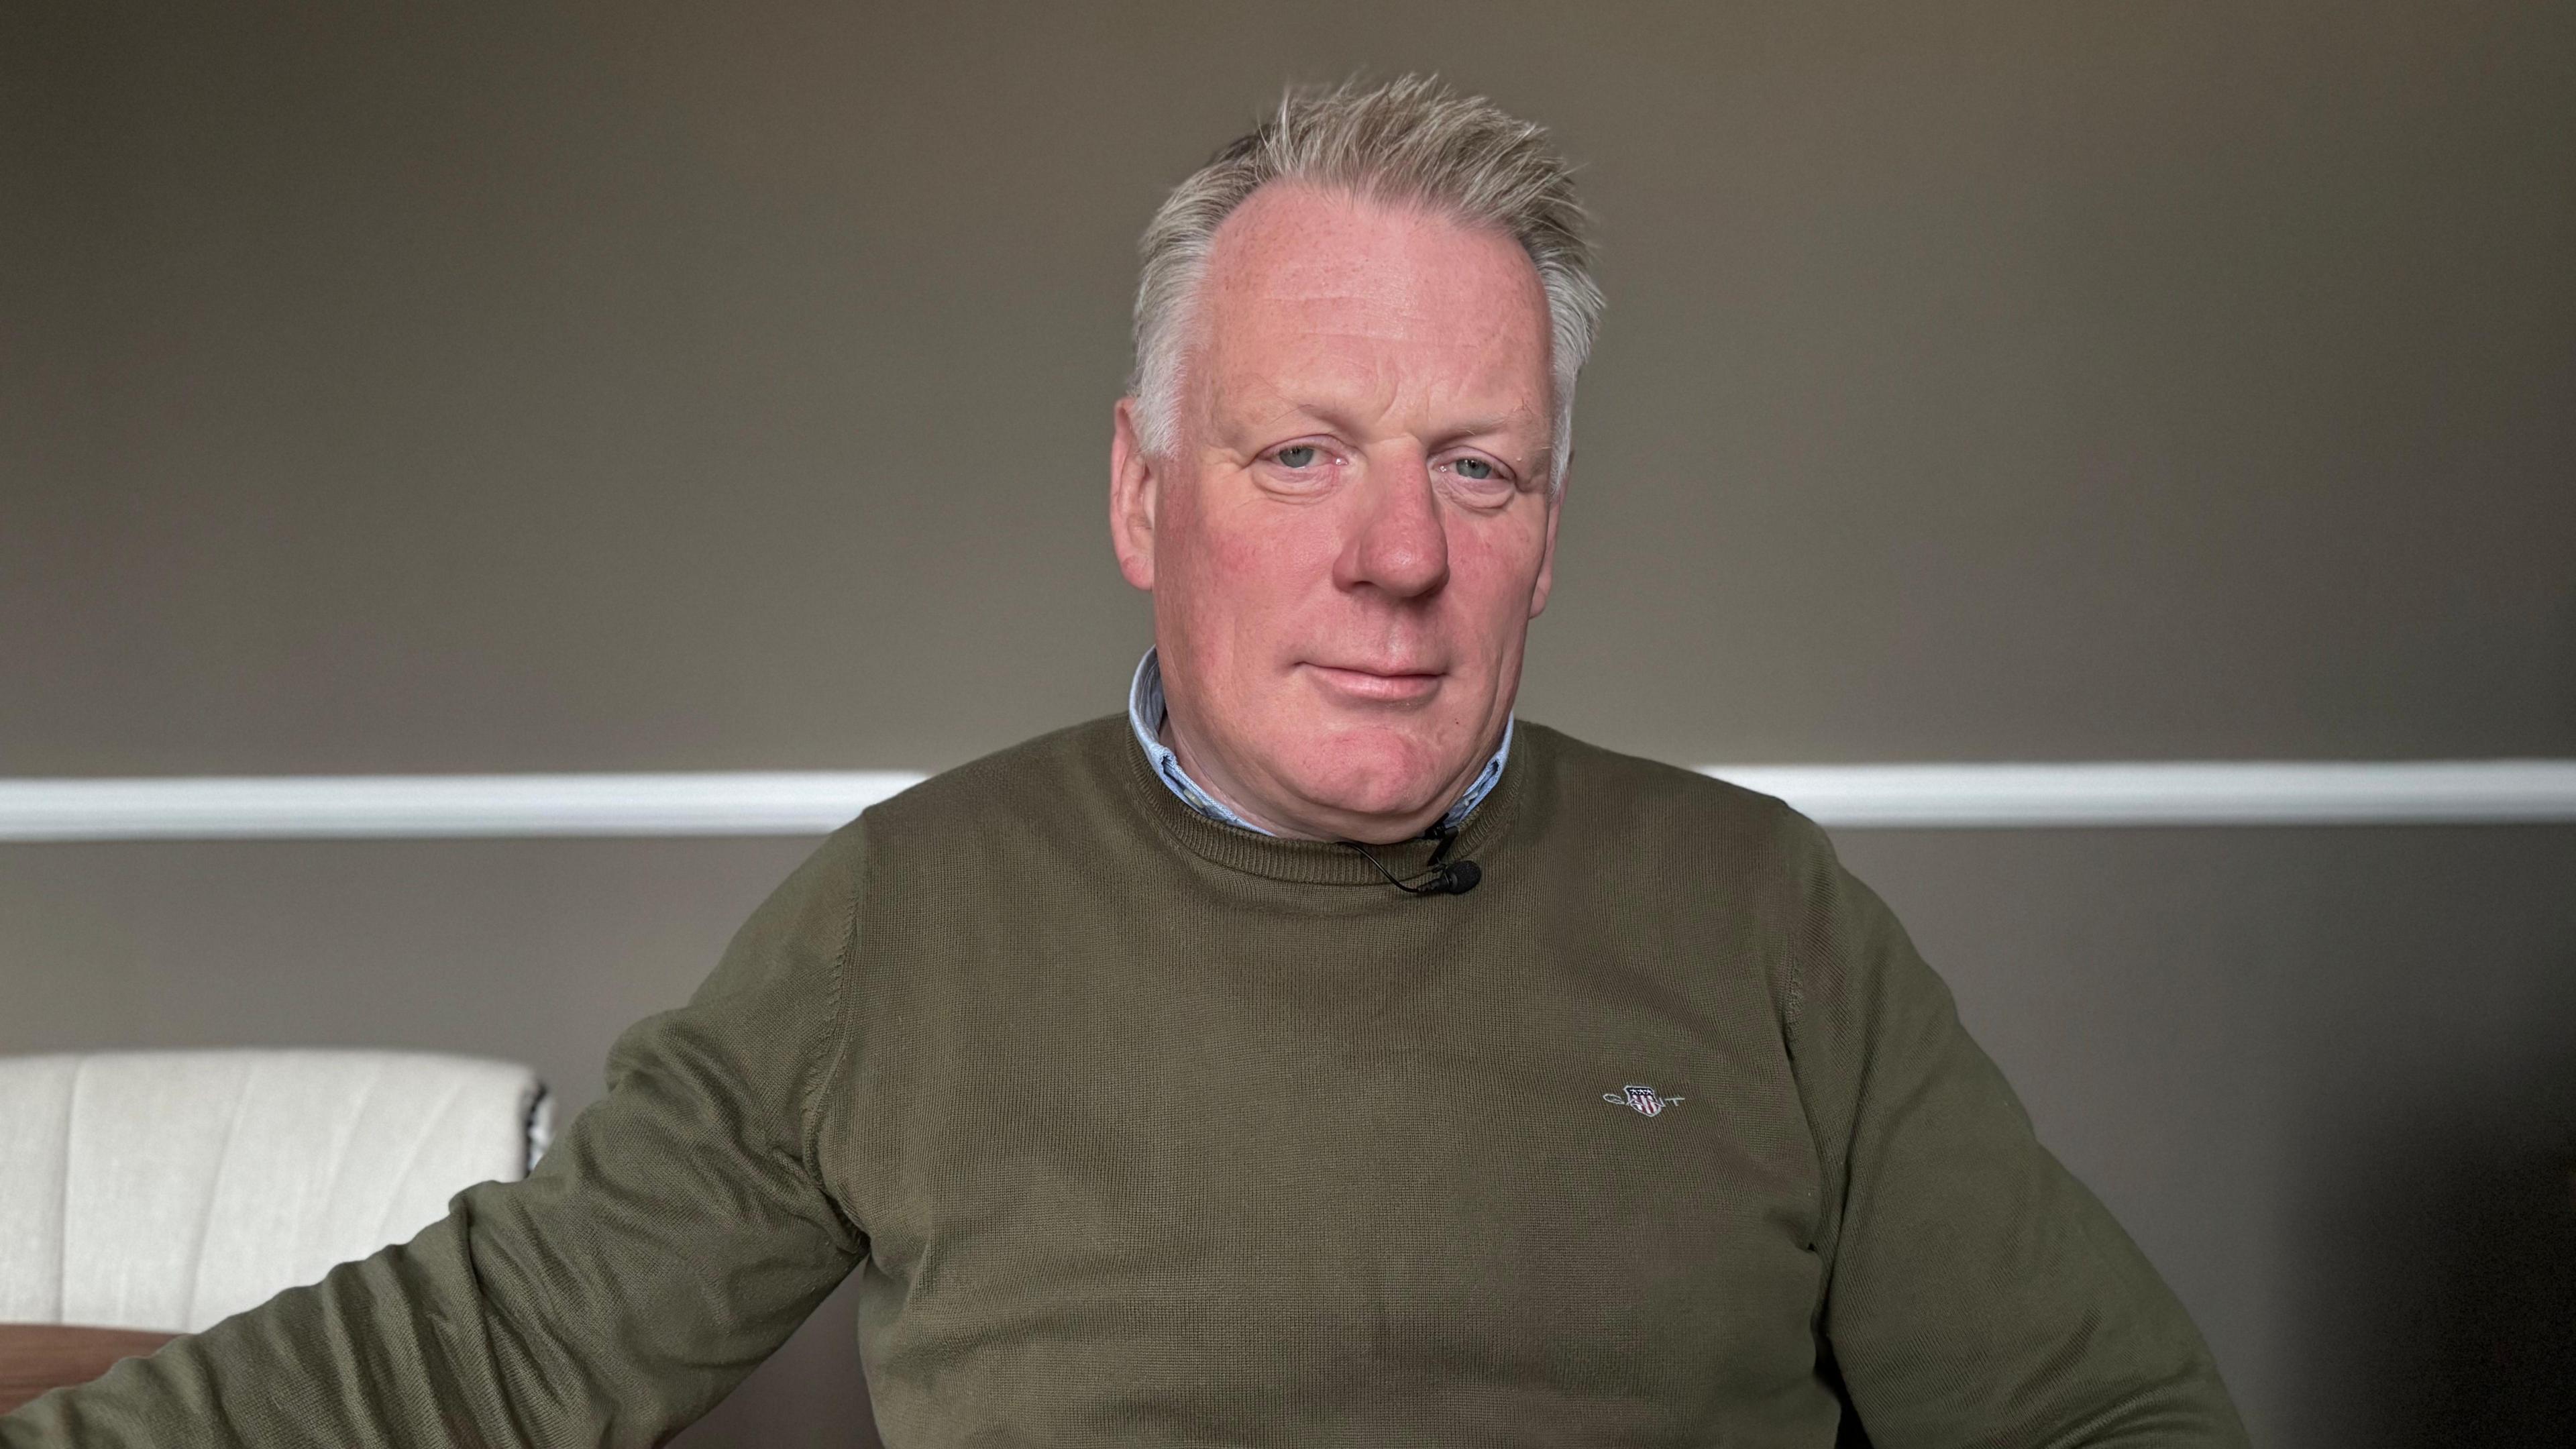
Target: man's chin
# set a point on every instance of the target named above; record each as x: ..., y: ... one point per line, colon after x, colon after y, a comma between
x: 1387, y: 791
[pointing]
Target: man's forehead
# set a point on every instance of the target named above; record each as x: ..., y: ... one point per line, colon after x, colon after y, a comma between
x: 1321, y: 303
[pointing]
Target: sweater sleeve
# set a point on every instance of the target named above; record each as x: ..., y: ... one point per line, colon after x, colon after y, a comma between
x: 675, y: 1235
x: 1976, y: 1293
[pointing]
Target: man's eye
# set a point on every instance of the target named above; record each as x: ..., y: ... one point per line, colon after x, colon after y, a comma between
x: 1302, y: 455
x: 1474, y: 469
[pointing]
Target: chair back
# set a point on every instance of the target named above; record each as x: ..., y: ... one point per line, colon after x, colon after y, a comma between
x: 169, y: 1190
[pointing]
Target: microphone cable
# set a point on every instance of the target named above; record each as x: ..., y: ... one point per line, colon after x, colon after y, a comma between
x: 1454, y: 878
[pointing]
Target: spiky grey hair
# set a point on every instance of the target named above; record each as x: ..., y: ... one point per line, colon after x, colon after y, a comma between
x: 1412, y: 141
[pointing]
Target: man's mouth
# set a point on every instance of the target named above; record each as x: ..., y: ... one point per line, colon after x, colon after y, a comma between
x: 1378, y: 686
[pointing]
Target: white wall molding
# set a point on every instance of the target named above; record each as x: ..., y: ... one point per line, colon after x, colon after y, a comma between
x: 2097, y: 793
x: 2178, y: 792
x: 423, y: 806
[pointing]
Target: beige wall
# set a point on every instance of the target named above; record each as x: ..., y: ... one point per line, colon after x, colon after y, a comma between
x: 541, y: 388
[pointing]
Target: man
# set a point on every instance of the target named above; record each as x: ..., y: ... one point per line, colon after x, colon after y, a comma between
x: 1312, y: 1055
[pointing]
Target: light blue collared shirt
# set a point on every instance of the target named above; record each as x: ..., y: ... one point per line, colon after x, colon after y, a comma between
x: 1145, y: 711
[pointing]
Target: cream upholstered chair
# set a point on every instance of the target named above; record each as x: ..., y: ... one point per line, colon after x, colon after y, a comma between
x: 168, y: 1190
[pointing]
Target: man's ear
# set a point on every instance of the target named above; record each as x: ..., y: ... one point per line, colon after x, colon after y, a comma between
x: 1134, y: 483
x: 1547, y: 552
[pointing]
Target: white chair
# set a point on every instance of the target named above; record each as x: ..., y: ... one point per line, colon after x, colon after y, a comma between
x: 168, y: 1190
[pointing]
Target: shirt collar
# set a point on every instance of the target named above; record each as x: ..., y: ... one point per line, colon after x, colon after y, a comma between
x: 1145, y: 713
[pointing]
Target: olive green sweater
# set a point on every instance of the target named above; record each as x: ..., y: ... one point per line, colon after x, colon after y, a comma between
x: 1147, y: 1130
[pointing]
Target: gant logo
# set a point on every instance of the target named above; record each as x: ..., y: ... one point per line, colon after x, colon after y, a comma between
x: 1641, y: 1098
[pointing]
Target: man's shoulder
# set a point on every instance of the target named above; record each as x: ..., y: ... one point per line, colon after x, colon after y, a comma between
x: 1661, y: 806
x: 1066, y: 772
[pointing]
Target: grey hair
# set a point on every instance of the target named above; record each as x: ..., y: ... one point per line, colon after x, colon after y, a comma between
x: 1410, y: 141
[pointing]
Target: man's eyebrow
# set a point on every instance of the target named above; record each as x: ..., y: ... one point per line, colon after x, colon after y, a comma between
x: 1334, y: 418
x: 1534, y: 441
x: 1478, y: 427
x: 1325, y: 413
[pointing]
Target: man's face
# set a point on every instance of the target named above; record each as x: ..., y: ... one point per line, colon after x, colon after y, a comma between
x: 1347, y: 551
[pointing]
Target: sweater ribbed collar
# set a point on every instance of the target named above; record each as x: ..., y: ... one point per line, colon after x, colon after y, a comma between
x: 1314, y: 862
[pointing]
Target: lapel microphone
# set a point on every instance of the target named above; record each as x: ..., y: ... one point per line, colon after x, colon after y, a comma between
x: 1439, y: 878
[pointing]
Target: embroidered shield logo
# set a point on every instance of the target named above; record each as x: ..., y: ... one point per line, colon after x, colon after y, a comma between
x: 1643, y: 1099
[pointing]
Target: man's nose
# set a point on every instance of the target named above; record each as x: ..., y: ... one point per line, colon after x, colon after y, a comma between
x: 1397, y: 540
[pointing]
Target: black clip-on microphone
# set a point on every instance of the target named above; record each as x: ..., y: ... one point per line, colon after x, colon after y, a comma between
x: 1455, y: 878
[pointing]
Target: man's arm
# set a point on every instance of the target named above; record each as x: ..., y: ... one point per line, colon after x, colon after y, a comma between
x: 674, y: 1236
x: 1976, y: 1292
